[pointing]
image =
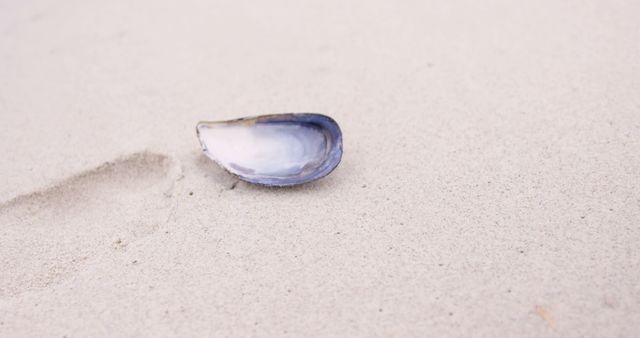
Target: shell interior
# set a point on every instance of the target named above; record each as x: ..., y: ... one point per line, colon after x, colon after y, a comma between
x: 278, y: 150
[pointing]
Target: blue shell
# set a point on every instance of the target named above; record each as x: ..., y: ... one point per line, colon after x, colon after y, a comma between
x: 274, y: 150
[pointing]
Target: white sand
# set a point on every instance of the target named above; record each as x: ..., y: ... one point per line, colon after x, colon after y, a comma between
x: 490, y: 183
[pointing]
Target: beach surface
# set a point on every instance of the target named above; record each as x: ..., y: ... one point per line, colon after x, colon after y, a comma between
x: 490, y: 183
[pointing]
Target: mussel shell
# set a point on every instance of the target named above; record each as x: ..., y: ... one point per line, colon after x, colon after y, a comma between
x: 274, y: 150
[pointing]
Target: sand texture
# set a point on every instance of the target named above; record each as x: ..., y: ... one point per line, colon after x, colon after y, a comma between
x: 490, y: 184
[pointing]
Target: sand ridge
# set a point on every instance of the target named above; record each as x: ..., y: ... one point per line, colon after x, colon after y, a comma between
x: 50, y: 233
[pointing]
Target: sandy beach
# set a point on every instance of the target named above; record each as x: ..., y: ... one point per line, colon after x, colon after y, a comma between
x: 490, y: 183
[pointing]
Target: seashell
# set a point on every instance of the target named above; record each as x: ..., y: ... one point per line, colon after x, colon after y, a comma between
x: 274, y: 150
